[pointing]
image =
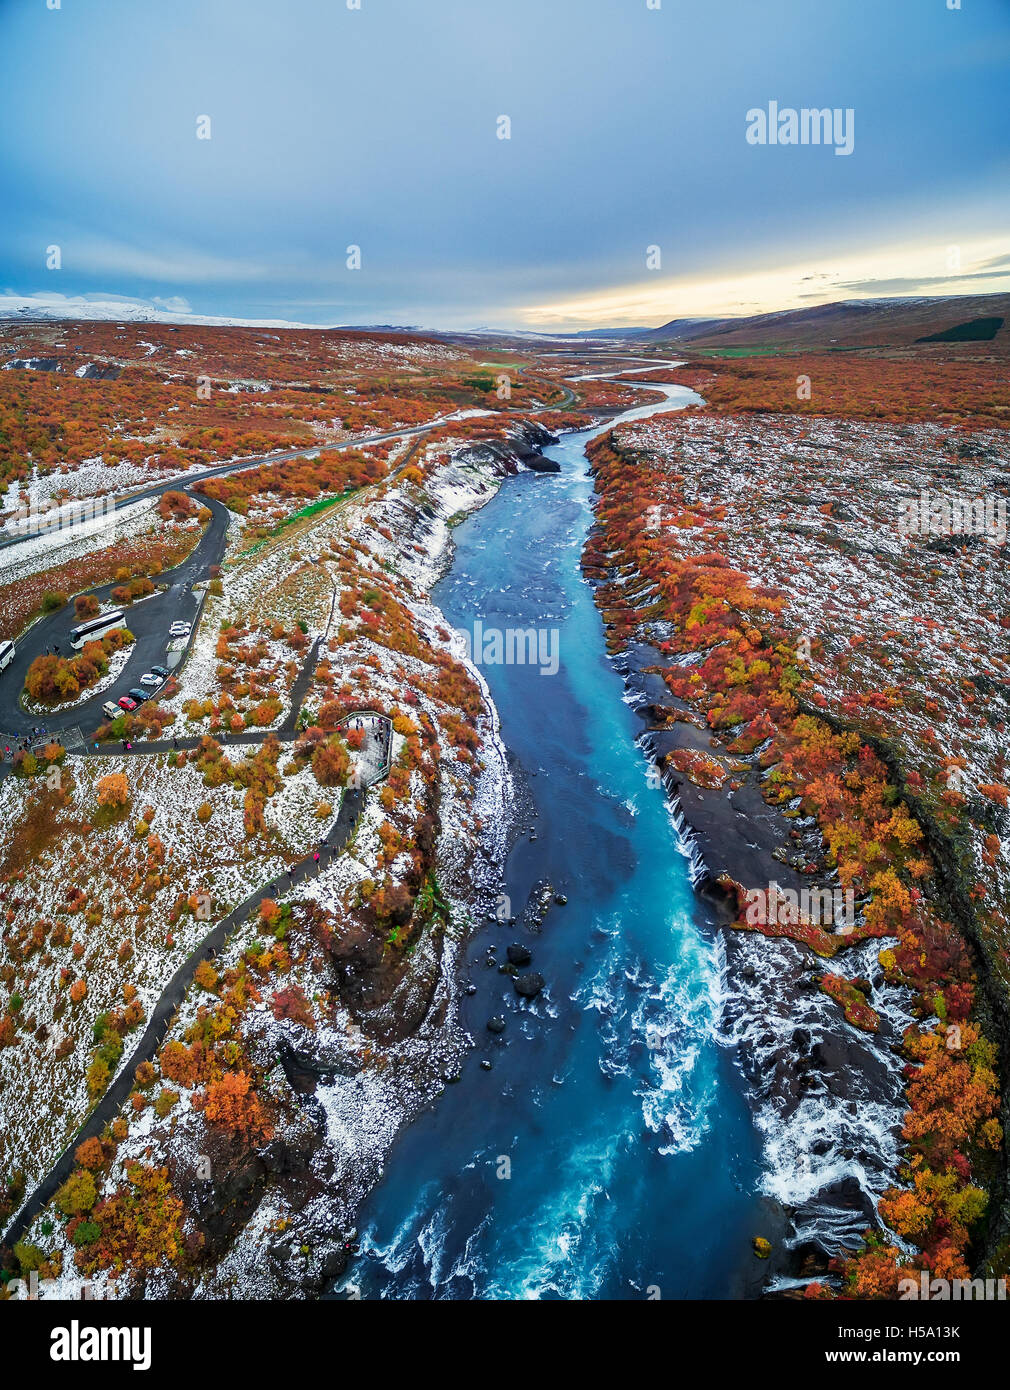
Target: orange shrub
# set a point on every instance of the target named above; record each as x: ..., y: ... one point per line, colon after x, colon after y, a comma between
x: 234, y: 1105
x: 113, y: 790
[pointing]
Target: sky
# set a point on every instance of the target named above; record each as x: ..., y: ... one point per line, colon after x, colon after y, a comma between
x: 628, y: 192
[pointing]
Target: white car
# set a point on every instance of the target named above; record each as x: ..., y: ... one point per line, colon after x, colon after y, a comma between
x: 180, y: 629
x: 150, y: 679
x: 111, y: 710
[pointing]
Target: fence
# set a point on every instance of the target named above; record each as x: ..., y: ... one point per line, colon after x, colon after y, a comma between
x: 387, y: 728
x: 71, y: 739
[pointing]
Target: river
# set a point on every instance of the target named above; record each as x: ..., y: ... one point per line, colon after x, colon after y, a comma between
x: 609, y: 1153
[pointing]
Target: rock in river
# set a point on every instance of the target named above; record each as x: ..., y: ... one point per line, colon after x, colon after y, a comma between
x: 519, y: 955
x: 496, y: 1024
x: 528, y: 985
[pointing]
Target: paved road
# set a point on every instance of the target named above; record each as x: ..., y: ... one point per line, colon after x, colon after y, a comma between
x: 186, y: 480
x: 148, y: 620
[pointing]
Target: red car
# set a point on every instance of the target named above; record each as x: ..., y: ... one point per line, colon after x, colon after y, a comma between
x: 126, y: 703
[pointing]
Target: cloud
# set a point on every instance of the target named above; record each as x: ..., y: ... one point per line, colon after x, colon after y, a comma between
x: 922, y: 284
x: 905, y: 268
x: 167, y: 265
x: 47, y: 305
x: 174, y: 305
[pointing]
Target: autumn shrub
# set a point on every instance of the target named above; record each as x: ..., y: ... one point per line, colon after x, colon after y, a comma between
x: 330, y: 763
x: 28, y: 1256
x: 90, y: 1154
x: 24, y: 764
x: 86, y: 1233
x: 166, y: 1099
x: 140, y: 1224
x: 232, y: 1103
x: 206, y: 976
x: 85, y: 606
x: 113, y: 790
x: 77, y: 1194
x: 182, y: 1064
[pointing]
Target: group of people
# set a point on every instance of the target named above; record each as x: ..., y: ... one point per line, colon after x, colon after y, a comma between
x: 23, y: 746
x: 39, y: 734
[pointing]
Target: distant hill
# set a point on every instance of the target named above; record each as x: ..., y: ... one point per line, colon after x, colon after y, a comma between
x: 974, y: 331
x: 849, y: 323
x: 607, y: 333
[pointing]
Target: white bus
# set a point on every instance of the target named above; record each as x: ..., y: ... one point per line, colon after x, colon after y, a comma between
x: 95, y: 628
x: 6, y: 654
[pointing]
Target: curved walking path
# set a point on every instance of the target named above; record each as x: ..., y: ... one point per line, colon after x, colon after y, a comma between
x: 107, y: 1107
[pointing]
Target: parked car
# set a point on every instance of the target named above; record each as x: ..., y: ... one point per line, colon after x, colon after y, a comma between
x: 139, y: 695
x: 160, y: 671
x: 110, y: 709
x: 180, y: 629
x: 150, y: 679
x: 126, y: 703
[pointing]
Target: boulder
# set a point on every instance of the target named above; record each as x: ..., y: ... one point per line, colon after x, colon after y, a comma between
x: 529, y: 985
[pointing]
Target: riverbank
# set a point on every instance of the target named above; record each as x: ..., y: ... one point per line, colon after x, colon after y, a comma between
x: 606, y: 1101
x: 404, y: 1043
x: 714, y: 599
x: 827, y: 1098
x: 364, y: 1034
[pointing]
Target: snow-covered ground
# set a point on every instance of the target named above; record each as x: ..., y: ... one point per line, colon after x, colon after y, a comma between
x: 371, y: 1093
